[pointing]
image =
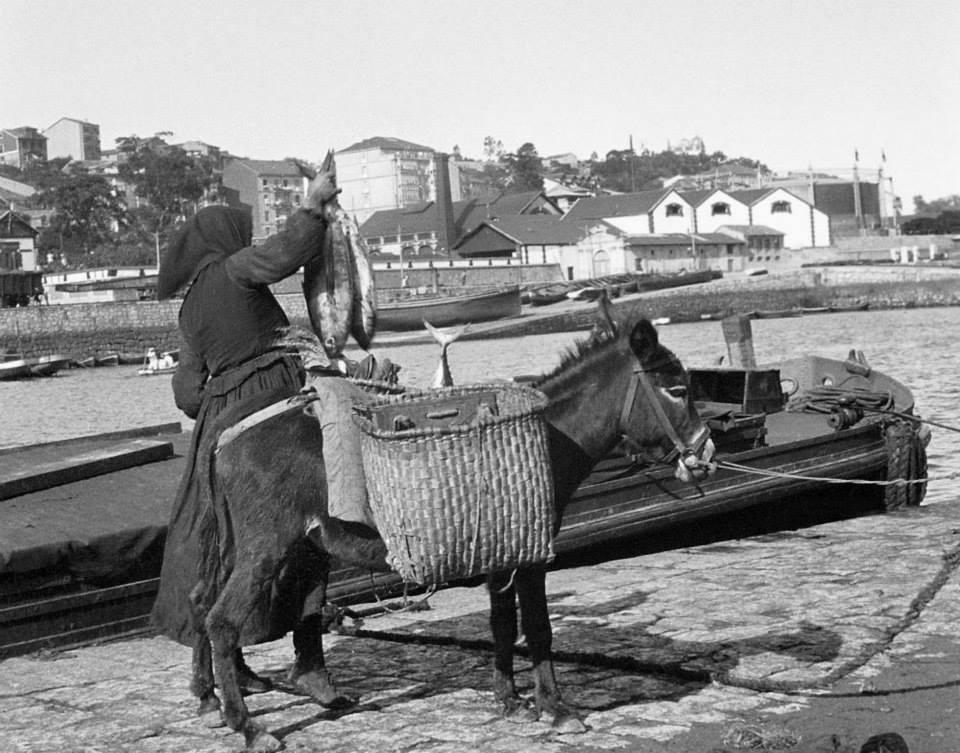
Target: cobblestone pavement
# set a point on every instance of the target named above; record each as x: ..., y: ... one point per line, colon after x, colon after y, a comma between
x: 692, y: 649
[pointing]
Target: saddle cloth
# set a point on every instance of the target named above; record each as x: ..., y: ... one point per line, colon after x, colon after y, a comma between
x: 331, y: 400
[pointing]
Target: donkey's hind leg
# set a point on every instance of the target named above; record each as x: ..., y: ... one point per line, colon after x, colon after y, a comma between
x: 224, y: 631
x: 309, y: 672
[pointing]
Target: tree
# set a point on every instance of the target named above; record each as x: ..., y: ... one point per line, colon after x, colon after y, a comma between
x: 492, y: 149
x: 525, y: 169
x: 168, y: 179
x: 87, y: 210
x: 935, y: 207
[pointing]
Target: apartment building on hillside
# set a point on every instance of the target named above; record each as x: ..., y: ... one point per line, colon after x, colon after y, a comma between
x: 271, y: 190
x: 20, y: 146
x: 382, y: 173
x: 73, y: 138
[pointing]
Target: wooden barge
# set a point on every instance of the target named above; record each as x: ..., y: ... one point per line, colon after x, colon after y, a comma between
x: 82, y: 522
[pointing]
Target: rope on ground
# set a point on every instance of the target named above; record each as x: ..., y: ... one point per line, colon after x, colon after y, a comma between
x: 682, y: 670
x: 951, y: 560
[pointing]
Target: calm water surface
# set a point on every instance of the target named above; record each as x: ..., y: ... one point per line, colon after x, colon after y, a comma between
x: 916, y: 346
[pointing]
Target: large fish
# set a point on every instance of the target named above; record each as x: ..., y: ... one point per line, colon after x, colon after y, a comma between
x: 445, y: 337
x: 338, y: 283
x: 363, y: 323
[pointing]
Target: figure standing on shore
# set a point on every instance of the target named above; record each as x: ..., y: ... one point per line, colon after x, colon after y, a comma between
x: 229, y: 355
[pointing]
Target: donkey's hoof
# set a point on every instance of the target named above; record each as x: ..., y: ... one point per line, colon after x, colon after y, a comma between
x: 212, y: 719
x: 209, y: 705
x: 252, y: 683
x: 566, y: 723
x: 516, y: 709
x: 261, y: 741
x: 320, y: 686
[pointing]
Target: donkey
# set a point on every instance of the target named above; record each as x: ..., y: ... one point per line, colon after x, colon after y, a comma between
x: 618, y: 385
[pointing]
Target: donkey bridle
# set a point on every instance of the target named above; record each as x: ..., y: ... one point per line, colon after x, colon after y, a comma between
x: 639, y: 378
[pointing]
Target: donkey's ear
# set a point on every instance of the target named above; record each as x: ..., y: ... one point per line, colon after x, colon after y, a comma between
x: 644, y: 339
x: 604, y: 324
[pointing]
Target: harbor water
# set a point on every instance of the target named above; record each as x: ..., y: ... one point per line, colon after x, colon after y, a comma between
x: 915, y: 346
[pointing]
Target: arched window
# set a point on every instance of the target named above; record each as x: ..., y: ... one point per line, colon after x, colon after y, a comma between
x: 674, y: 210
x: 721, y: 207
x: 780, y: 207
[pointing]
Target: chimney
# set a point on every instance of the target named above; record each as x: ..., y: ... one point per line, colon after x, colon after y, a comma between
x: 447, y: 229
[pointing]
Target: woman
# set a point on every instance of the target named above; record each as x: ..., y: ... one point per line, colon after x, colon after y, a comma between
x: 229, y: 356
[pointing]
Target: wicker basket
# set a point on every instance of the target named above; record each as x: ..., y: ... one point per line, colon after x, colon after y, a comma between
x: 471, y: 495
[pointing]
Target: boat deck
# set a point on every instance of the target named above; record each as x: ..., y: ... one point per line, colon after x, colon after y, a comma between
x: 97, y: 507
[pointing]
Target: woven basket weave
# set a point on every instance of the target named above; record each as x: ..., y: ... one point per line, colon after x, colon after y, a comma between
x: 465, y: 499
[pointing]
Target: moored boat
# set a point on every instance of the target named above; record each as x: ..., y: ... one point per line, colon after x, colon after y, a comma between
x: 14, y: 368
x: 48, y: 365
x: 444, y: 311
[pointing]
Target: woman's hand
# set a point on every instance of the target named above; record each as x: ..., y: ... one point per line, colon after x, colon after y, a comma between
x: 323, y: 183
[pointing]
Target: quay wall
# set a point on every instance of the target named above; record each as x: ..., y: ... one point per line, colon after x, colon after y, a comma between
x: 81, y: 330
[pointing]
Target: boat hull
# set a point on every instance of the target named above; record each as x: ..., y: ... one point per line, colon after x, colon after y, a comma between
x: 447, y: 311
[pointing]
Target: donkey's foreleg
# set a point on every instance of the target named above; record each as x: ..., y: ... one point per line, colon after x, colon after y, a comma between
x: 224, y: 635
x: 202, y: 682
x: 535, y: 620
x: 503, y: 626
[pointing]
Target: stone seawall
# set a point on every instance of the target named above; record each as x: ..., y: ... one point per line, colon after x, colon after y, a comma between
x: 86, y: 329
x: 81, y: 330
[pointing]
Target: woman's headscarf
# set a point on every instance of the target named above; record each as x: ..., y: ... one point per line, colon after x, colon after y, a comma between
x: 213, y: 232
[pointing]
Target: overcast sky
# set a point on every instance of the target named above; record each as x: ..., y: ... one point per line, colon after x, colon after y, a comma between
x: 791, y: 83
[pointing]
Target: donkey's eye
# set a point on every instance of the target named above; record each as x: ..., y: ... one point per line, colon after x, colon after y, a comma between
x: 679, y: 392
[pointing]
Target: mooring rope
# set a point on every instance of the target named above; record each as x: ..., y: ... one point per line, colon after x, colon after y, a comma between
x: 826, y: 480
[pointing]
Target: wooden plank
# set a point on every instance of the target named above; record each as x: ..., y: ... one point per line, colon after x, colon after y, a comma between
x: 144, y: 431
x: 23, y: 475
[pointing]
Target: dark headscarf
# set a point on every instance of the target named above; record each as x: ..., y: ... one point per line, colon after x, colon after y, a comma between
x: 212, y: 233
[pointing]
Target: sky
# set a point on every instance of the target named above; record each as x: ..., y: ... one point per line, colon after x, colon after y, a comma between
x: 793, y: 83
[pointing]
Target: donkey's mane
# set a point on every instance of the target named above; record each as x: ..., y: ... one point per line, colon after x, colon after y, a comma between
x: 576, y: 353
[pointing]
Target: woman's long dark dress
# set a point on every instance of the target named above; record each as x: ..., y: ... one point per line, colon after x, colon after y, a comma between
x: 228, y: 358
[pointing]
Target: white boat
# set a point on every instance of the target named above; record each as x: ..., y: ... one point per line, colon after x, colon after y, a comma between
x: 159, y: 363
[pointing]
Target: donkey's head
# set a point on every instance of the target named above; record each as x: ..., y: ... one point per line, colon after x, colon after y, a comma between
x: 658, y: 417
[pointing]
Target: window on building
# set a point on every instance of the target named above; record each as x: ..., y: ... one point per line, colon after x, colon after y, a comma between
x: 721, y: 207
x: 780, y: 207
x: 674, y: 210
x: 266, y: 216
x: 296, y: 199
x: 265, y: 182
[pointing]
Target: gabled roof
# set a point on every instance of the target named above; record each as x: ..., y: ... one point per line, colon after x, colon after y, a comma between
x: 270, y: 167
x: 467, y: 214
x: 386, y: 144
x: 72, y: 120
x: 748, y: 230
x: 620, y: 205
x: 532, y: 229
x: 750, y: 196
x: 658, y: 239
x: 718, y: 237
x: 696, y: 198
x: 13, y: 225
